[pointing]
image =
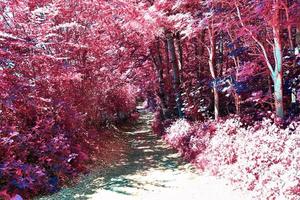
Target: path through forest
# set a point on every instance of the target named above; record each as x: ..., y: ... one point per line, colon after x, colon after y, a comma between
x: 150, y: 170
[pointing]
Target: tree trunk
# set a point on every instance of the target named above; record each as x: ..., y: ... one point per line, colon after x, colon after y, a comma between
x: 159, y: 71
x: 237, y: 104
x: 180, y: 54
x: 278, y: 95
x: 289, y: 26
x: 216, y: 101
x: 169, y: 97
x: 212, y: 60
x: 278, y: 72
x: 176, y: 78
x: 220, y: 54
x: 236, y: 60
x: 215, y: 90
x: 167, y: 60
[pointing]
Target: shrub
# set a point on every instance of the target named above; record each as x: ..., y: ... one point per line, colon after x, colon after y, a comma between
x: 46, y: 129
x: 177, y: 132
x: 263, y: 158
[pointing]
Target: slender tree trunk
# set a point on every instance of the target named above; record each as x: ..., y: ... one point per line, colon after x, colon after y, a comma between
x: 215, y: 90
x: 178, y: 46
x: 159, y: 72
x: 212, y: 60
x: 168, y: 79
x: 297, y: 45
x: 220, y: 54
x: 176, y: 77
x: 167, y: 60
x: 278, y: 95
x: 294, y: 96
x: 237, y: 97
x: 289, y: 26
x: 237, y: 104
x: 278, y: 72
x: 236, y: 60
x: 216, y: 102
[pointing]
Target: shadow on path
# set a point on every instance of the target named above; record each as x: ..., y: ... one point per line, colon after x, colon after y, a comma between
x: 146, y: 152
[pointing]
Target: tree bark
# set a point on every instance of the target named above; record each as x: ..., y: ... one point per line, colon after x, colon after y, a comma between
x: 212, y: 60
x: 237, y: 103
x: 289, y: 26
x: 159, y: 72
x: 167, y: 60
x: 178, y: 46
x: 278, y: 94
x: 278, y: 72
x: 236, y: 60
x: 176, y: 76
x: 277, y: 77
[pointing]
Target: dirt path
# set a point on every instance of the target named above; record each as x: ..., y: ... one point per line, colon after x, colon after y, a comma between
x: 149, y: 171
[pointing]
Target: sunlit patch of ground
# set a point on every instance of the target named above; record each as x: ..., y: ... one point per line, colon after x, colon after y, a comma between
x: 149, y: 170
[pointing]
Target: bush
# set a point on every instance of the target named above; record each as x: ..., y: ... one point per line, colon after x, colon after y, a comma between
x: 47, y: 128
x: 263, y: 158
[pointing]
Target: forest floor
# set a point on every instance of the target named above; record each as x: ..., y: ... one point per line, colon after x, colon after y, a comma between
x: 147, y: 169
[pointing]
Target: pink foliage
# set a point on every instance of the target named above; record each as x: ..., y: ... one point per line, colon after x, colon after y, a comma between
x: 261, y: 158
x: 59, y: 88
x: 247, y: 70
x: 177, y: 132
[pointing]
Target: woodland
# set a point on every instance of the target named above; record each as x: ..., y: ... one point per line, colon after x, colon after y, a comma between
x: 222, y: 79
